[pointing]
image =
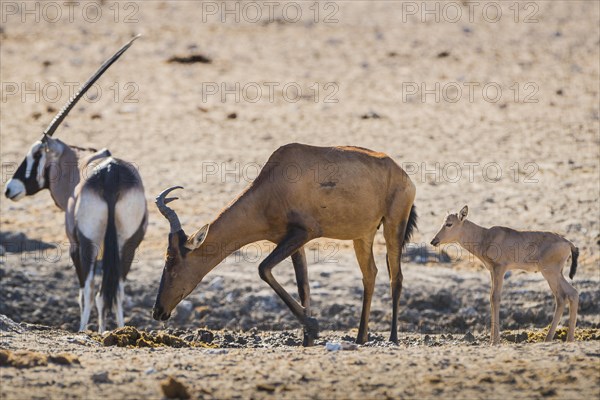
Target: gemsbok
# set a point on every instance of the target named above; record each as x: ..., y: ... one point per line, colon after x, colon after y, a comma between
x: 104, y: 203
x: 501, y: 249
x: 361, y: 190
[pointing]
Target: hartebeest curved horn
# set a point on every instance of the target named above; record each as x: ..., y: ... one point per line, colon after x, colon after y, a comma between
x: 161, y: 203
x: 58, y: 119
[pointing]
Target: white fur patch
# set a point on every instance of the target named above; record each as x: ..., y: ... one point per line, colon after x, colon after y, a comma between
x: 91, y: 213
x: 15, y: 190
x: 129, y: 212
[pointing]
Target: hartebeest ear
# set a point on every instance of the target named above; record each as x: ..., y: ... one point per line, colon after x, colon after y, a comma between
x: 462, y: 215
x: 196, y: 239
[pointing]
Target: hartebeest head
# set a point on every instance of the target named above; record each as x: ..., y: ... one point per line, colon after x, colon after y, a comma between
x: 35, y: 172
x: 178, y: 278
x: 451, y: 228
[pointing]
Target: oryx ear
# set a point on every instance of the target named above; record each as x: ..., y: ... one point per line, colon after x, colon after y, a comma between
x: 196, y: 239
x: 54, y: 146
x: 462, y: 215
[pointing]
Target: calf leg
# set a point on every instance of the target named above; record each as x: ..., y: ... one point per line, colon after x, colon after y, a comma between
x: 301, y: 270
x: 364, y: 254
x: 573, y: 296
x: 559, y: 298
x: 497, y: 273
x: 291, y: 243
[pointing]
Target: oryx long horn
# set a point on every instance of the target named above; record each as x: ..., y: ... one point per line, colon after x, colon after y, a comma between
x: 58, y: 119
x: 169, y: 214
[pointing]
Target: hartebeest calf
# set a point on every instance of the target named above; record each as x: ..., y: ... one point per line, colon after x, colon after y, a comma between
x: 501, y: 249
x: 104, y: 203
x: 361, y: 190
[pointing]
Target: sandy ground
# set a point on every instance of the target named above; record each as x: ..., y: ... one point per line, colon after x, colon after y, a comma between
x: 527, y: 159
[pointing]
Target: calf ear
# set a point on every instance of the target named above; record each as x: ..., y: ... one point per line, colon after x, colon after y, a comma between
x: 462, y: 215
x: 196, y: 239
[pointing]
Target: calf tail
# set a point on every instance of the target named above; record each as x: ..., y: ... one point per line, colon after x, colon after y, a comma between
x: 574, y: 255
x: 111, y: 263
x: 410, y: 226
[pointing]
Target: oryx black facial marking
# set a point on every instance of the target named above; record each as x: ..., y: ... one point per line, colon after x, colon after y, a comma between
x: 31, y: 176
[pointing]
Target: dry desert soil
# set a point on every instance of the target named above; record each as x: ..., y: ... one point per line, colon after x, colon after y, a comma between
x: 495, y: 110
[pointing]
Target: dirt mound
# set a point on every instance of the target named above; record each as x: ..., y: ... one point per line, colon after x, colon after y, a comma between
x: 30, y: 359
x: 129, y: 336
x: 581, y: 335
x: 173, y: 389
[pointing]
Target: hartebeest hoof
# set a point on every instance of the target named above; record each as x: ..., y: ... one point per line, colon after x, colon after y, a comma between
x: 311, y: 331
x: 362, y: 338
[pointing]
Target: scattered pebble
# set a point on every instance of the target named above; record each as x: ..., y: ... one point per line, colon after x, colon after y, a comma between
x: 370, y: 115
x: 101, y: 377
x: 469, y: 338
x: 190, y: 59
x: 266, y: 387
x: 173, y: 389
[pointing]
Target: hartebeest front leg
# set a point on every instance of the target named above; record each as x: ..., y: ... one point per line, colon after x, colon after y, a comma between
x: 364, y: 254
x: 291, y: 243
x: 301, y: 270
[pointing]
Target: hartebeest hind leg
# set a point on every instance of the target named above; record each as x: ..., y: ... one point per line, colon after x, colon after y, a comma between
x: 291, y: 243
x: 394, y: 234
x: 301, y: 270
x: 364, y: 254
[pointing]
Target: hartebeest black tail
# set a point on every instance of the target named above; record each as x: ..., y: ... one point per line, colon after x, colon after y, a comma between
x: 410, y: 226
x: 574, y: 256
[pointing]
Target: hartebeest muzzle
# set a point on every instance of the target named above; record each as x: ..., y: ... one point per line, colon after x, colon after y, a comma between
x: 159, y: 314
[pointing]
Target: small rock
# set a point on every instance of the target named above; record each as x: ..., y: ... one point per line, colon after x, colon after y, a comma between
x: 101, y: 377
x: 217, y: 351
x: 468, y: 312
x: 232, y: 116
x: 265, y: 387
x: 349, y: 346
x: 216, y: 283
x: 469, y: 338
x: 370, y: 115
x: 150, y: 371
x: 173, y: 389
x: 333, y: 346
x: 183, y: 311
